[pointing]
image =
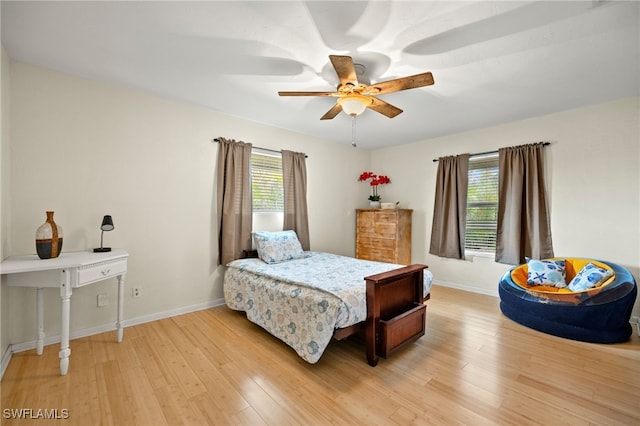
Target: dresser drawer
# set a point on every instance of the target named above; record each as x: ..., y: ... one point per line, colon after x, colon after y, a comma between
x: 375, y: 242
x: 389, y: 216
x: 378, y: 255
x: 99, y: 271
x: 385, y: 230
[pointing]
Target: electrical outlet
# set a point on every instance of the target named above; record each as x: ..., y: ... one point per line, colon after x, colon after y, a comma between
x: 136, y: 292
x: 103, y: 300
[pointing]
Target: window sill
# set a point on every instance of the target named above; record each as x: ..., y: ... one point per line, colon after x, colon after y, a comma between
x: 485, y: 254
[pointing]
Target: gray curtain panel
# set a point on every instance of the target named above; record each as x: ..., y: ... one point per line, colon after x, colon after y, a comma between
x: 523, y: 217
x: 294, y: 169
x: 450, y: 208
x: 235, y: 207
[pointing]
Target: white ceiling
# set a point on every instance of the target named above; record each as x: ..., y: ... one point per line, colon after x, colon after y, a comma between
x: 492, y: 61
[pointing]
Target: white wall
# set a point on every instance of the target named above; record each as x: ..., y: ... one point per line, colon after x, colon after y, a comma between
x: 593, y: 179
x: 84, y: 149
x: 5, y: 190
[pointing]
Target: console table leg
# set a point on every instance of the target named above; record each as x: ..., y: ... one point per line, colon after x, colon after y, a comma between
x: 120, y: 307
x: 39, y: 321
x: 65, y: 351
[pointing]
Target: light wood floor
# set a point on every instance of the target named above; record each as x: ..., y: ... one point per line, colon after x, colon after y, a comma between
x: 473, y: 367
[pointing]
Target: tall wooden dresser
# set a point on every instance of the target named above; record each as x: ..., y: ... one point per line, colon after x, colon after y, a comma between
x: 384, y: 235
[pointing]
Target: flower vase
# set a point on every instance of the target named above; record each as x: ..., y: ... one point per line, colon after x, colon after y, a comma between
x: 374, y: 204
x: 49, y: 239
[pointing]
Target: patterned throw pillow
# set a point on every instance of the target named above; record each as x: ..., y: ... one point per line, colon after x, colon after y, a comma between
x: 546, y: 272
x: 276, y: 247
x: 589, y: 277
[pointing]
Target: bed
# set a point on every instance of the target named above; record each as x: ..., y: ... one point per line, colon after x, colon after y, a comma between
x: 312, y: 297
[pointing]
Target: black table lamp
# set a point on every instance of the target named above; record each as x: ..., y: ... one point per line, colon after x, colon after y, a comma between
x: 107, y: 225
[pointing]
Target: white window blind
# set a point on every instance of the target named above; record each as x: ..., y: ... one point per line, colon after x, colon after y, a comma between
x: 482, y: 204
x: 266, y: 182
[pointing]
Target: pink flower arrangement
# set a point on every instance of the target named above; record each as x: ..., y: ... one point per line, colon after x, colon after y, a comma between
x: 375, y: 180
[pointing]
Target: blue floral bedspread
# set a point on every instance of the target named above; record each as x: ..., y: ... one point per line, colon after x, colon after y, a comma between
x: 303, y: 301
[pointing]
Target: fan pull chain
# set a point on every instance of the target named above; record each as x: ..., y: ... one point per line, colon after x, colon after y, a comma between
x: 353, y: 130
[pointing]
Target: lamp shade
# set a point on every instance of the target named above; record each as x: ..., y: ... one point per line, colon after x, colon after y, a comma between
x: 354, y: 104
x: 107, y: 223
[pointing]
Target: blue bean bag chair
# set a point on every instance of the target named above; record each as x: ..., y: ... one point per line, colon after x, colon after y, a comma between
x: 595, y: 308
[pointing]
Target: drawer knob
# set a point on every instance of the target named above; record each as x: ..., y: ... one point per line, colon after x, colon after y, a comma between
x: 105, y: 271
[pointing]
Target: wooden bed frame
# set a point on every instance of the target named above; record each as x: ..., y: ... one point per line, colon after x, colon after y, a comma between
x: 396, y: 313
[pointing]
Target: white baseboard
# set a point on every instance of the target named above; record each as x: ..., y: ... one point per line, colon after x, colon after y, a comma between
x: 4, y: 363
x: 469, y: 288
x: 635, y: 320
x: 172, y: 313
x: 31, y: 344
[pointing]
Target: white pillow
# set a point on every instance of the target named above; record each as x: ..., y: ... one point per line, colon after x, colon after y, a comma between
x: 589, y: 277
x: 276, y: 247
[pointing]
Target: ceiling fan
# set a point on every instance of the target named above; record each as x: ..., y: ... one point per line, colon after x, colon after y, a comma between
x: 354, y: 97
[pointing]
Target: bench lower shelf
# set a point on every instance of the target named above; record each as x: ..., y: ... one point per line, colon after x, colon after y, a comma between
x: 402, y: 329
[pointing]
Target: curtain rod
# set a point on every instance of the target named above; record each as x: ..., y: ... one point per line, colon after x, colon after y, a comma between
x: 264, y: 149
x: 435, y: 160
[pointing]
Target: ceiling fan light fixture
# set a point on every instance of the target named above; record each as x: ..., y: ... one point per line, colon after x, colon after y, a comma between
x: 354, y: 104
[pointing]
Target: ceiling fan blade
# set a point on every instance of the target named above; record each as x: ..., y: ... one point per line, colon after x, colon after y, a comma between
x: 308, y: 93
x: 337, y: 108
x: 404, y: 83
x: 344, y: 68
x: 384, y: 108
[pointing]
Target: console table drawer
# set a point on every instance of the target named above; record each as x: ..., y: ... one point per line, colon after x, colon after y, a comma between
x: 99, y: 271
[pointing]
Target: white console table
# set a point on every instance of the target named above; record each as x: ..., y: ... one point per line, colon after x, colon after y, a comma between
x: 67, y: 271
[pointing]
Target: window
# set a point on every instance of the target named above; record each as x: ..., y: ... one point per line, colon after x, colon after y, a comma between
x: 482, y: 204
x: 267, y: 190
x: 266, y: 182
